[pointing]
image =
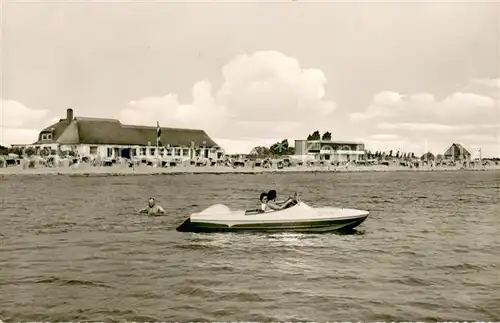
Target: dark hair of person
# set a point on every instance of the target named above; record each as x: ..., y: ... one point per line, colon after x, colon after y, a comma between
x: 271, y: 195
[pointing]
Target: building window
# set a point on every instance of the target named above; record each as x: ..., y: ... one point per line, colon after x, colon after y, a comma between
x: 110, y: 152
x: 177, y: 152
x: 152, y: 151
x: 44, y: 137
x: 162, y: 151
x: 315, y: 146
x: 93, y: 150
x: 49, y: 136
x: 169, y: 152
x: 143, y: 151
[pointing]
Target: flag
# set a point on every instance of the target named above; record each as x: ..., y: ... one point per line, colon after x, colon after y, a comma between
x: 158, y: 133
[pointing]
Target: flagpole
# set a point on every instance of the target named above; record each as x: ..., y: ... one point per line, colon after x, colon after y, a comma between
x: 158, y: 134
x: 480, y: 158
x: 132, y: 159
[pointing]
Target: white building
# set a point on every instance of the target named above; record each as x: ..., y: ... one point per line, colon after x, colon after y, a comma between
x: 108, y: 138
x: 341, y: 151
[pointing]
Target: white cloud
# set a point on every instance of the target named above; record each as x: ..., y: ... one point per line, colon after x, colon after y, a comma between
x: 15, y: 115
x: 10, y: 136
x: 434, y: 127
x: 493, y: 83
x: 423, y: 107
x: 481, y: 138
x: 434, y: 124
x: 18, y: 124
x: 263, y: 95
x: 487, y: 87
x: 385, y: 137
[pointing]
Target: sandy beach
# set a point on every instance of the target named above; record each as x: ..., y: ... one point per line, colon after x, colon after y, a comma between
x: 124, y: 170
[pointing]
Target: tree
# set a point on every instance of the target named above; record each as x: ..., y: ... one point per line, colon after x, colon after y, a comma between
x: 390, y: 153
x: 4, y: 150
x: 282, y: 148
x: 314, y: 136
x: 279, y: 148
x: 327, y: 136
x: 412, y: 155
x: 427, y: 156
x: 18, y: 151
x: 397, y: 154
x: 30, y: 151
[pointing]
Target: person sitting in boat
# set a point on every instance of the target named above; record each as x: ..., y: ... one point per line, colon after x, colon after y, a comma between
x: 153, y: 208
x: 273, y: 205
x: 263, y: 201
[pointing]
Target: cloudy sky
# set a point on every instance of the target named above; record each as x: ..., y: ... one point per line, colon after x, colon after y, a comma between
x: 409, y: 76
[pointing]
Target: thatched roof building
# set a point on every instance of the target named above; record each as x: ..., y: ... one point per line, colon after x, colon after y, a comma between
x: 96, y: 131
x: 457, y: 151
x: 259, y: 151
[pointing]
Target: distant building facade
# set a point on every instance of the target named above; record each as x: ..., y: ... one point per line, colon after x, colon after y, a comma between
x: 342, y: 151
x: 109, y: 138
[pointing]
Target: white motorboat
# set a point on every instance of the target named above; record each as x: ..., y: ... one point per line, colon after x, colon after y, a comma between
x: 299, y: 217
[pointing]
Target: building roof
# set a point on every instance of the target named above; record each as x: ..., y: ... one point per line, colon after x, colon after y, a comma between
x: 457, y: 150
x: 112, y: 132
x: 338, y: 142
x: 56, y: 129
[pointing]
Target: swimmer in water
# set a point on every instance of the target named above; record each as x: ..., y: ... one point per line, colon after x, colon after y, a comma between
x: 153, y: 208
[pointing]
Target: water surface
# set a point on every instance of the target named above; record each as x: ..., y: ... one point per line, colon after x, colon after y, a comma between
x: 73, y: 249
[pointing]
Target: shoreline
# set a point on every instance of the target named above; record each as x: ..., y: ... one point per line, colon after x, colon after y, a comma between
x: 90, y: 171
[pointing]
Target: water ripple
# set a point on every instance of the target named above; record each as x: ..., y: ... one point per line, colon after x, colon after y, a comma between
x: 428, y: 252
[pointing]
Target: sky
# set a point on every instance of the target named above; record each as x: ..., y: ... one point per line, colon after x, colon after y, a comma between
x: 396, y: 76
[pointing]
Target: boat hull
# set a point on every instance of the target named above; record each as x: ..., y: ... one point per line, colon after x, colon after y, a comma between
x: 319, y: 226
